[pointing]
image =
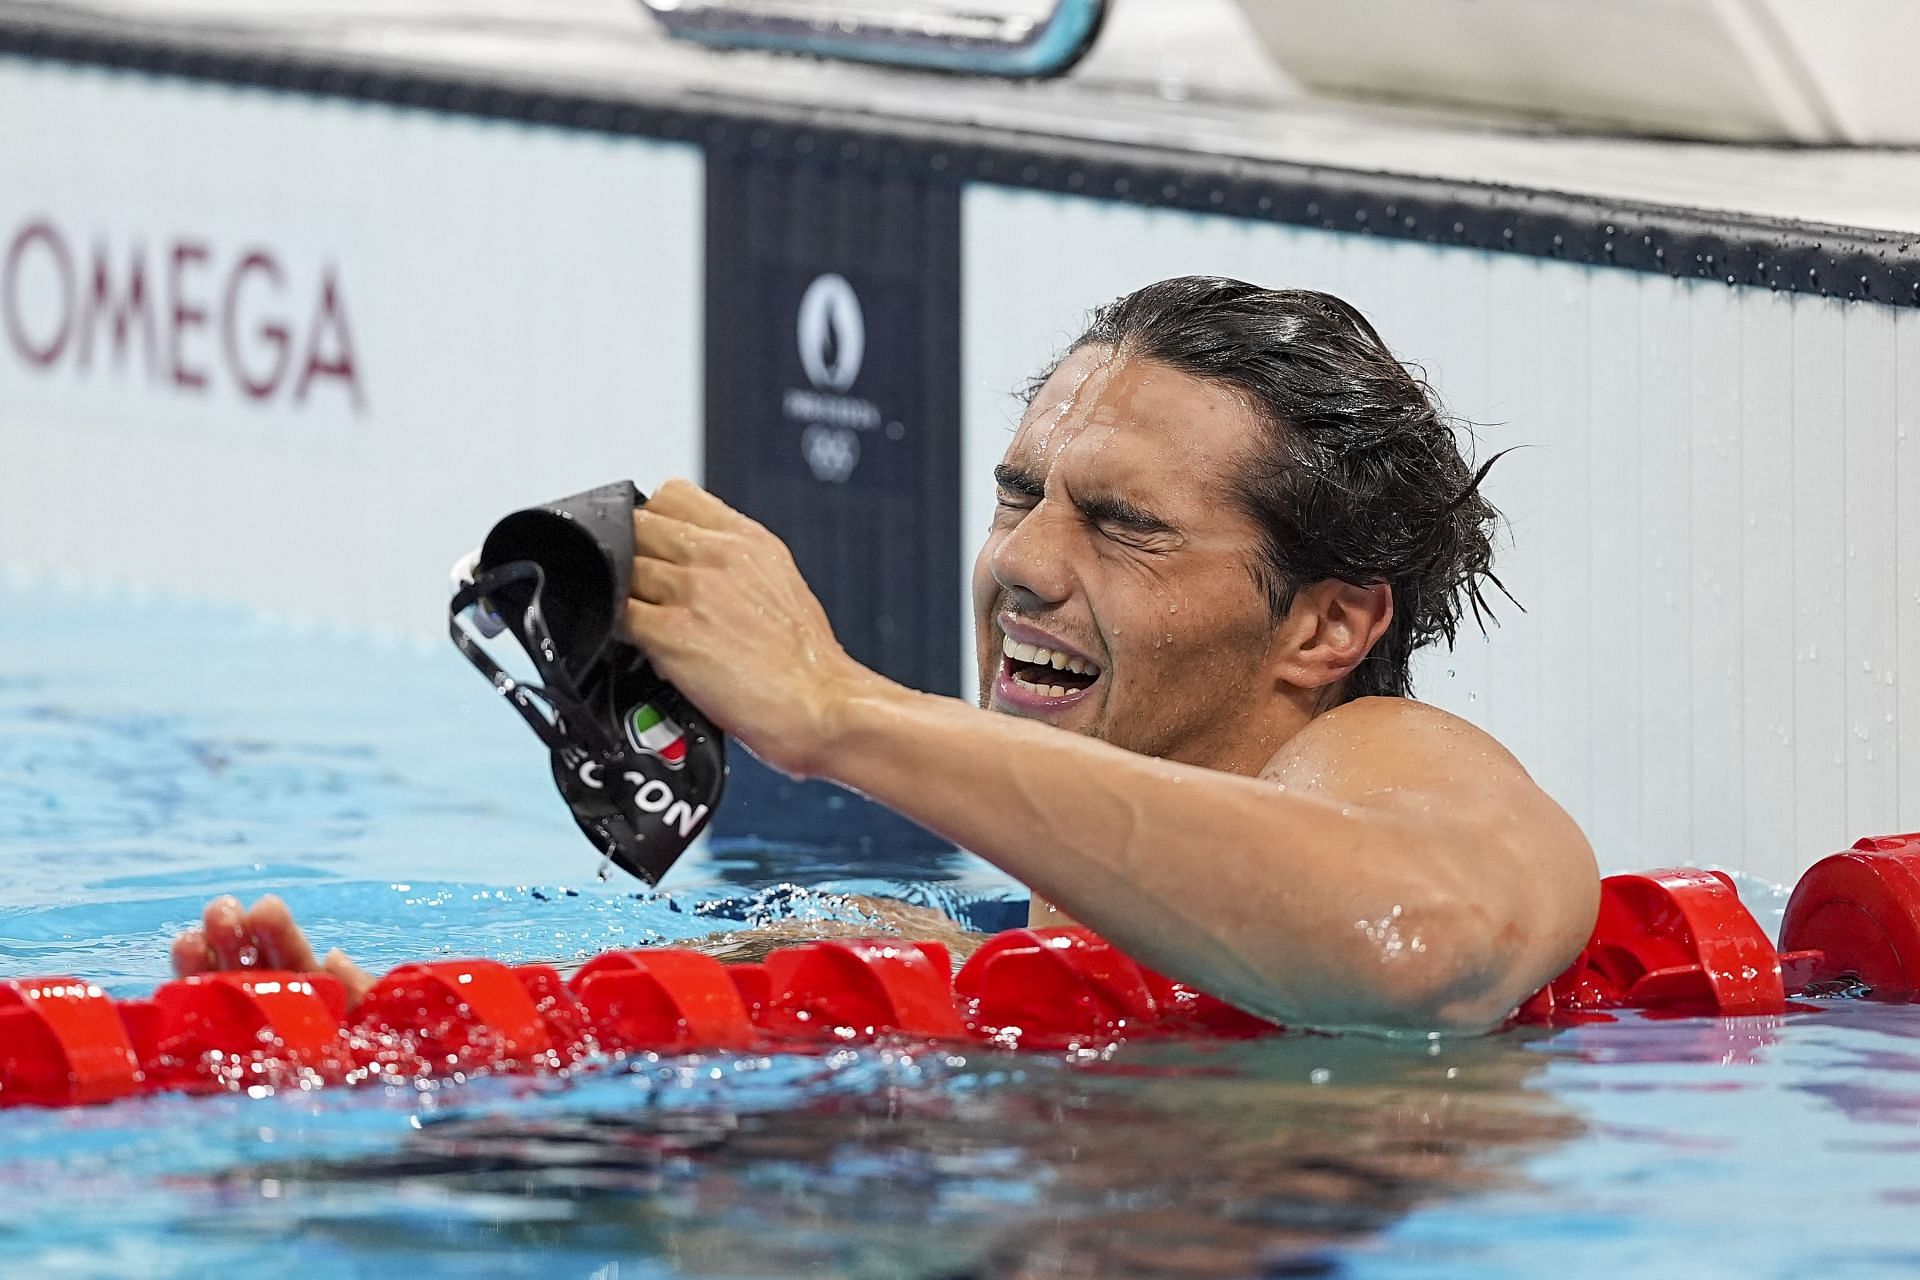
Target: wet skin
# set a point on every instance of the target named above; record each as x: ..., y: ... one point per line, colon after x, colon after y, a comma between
x: 1110, y: 541
x: 1379, y: 864
x: 232, y: 935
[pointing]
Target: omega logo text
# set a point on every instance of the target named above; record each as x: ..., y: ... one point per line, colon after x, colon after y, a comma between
x: 185, y: 315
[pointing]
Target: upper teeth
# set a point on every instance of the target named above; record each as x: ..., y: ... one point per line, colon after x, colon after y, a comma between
x: 1046, y: 657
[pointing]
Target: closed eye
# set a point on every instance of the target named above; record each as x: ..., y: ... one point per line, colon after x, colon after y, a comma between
x: 1018, y: 491
x: 1017, y: 486
x: 1137, y: 540
x: 1125, y: 522
x: 1118, y: 519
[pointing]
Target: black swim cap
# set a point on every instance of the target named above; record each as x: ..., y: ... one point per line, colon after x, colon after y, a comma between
x: 641, y: 768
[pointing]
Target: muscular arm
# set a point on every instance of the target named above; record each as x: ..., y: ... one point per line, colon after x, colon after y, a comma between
x: 1393, y: 867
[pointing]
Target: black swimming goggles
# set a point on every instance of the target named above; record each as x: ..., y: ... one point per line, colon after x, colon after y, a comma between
x: 640, y: 767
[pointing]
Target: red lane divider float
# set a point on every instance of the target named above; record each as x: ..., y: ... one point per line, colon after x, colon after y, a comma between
x: 62, y: 1041
x: 1675, y: 941
x: 452, y: 1017
x: 1046, y: 988
x: 238, y: 1030
x: 1853, y: 917
x: 842, y: 990
x: 1055, y: 988
x: 667, y: 1001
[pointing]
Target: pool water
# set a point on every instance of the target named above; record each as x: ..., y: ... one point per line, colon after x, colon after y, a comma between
x: 152, y: 754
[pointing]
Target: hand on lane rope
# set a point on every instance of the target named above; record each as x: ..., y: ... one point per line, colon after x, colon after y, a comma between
x: 233, y: 937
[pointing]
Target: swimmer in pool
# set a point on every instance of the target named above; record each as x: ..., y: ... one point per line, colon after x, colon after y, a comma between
x: 1226, y: 522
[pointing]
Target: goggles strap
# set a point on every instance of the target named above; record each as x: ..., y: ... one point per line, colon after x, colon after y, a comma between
x: 553, y: 709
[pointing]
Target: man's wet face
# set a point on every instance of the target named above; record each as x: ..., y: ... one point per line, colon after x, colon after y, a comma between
x: 1113, y: 595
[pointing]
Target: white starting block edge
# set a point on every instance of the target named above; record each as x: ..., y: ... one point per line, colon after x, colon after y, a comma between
x: 1836, y: 72
x: 1193, y: 86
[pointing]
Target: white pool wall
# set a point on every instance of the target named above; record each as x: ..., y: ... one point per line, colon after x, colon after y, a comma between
x: 1713, y: 527
x: 521, y: 308
x: 1714, y: 509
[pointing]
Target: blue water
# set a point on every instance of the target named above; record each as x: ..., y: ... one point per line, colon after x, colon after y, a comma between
x: 154, y: 754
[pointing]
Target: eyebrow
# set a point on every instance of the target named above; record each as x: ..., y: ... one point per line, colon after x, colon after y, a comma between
x: 1099, y: 508
x: 1015, y: 480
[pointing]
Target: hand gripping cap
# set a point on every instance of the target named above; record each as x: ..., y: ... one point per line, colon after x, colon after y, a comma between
x: 640, y: 767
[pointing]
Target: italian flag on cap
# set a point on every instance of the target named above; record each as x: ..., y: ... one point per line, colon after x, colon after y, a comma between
x: 653, y: 733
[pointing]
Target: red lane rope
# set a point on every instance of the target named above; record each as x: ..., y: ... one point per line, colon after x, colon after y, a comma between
x: 1673, y: 941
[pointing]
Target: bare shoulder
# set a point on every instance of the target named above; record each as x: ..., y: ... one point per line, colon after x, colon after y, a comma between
x: 1460, y: 796
x: 1434, y: 768
x: 1394, y: 743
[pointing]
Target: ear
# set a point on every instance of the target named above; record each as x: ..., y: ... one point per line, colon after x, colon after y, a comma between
x: 1330, y: 628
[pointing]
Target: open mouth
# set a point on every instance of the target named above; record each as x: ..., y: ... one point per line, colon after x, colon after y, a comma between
x: 1044, y: 672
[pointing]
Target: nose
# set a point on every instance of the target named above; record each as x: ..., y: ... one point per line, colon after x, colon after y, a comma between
x: 1033, y: 563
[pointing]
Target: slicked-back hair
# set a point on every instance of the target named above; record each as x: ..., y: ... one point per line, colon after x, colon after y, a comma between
x: 1360, y: 477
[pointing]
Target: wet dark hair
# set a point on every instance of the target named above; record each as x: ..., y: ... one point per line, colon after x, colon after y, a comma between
x: 1362, y: 479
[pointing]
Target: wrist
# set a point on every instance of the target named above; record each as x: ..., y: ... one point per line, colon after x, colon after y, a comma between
x: 847, y: 708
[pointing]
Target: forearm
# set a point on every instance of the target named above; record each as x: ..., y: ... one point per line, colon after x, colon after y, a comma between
x: 1413, y: 877
x: 1281, y: 901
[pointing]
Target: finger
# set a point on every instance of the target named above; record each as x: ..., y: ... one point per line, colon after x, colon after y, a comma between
x: 643, y: 624
x: 656, y: 582
x: 356, y: 980
x: 282, y: 943
x: 225, y: 924
x: 664, y: 537
x: 685, y: 500
x: 190, y: 954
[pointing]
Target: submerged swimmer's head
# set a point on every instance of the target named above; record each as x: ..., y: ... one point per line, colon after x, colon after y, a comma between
x: 1226, y: 509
